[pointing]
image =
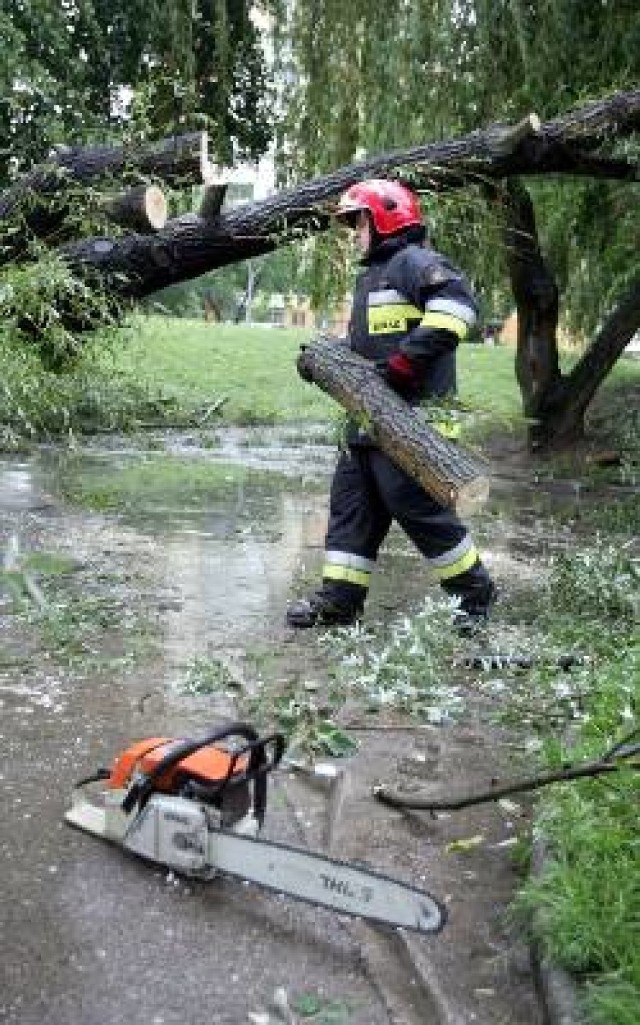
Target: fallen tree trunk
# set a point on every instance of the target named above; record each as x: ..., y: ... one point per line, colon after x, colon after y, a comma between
x: 190, y: 246
x: 446, y: 471
x: 37, y: 204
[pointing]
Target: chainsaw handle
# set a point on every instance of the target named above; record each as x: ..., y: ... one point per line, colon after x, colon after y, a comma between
x: 140, y: 791
x: 258, y: 766
x: 257, y: 751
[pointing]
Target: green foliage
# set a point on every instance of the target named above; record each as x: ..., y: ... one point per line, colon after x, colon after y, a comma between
x: 208, y: 676
x: 38, y: 303
x: 77, y: 622
x: 82, y: 71
x: 93, y: 394
x: 402, y: 668
x: 321, y: 1011
x: 602, y: 580
x: 293, y: 708
x: 586, y: 902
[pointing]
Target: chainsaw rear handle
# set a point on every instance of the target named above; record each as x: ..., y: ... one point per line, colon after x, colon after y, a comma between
x: 142, y: 788
x: 258, y: 766
x: 257, y: 751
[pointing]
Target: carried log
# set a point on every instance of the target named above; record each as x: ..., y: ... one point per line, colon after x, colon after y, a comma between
x: 447, y: 471
x: 141, y: 209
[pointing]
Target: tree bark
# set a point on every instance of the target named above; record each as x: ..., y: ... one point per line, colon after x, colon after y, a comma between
x: 568, y: 403
x: 190, y: 246
x: 555, y: 404
x: 445, y: 470
x: 212, y: 201
x: 37, y: 204
x: 536, y: 295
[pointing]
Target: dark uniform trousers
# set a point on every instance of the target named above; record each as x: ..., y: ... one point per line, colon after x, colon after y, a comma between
x: 368, y: 492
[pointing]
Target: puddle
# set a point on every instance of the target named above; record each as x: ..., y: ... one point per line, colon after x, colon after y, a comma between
x: 223, y: 540
x: 228, y: 523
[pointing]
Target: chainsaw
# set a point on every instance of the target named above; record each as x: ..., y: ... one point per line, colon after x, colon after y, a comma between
x: 197, y: 807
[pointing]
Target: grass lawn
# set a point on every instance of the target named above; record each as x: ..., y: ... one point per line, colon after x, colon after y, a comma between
x: 175, y: 372
x: 197, y: 363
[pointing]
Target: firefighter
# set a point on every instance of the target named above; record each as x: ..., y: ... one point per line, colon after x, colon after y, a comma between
x: 411, y: 307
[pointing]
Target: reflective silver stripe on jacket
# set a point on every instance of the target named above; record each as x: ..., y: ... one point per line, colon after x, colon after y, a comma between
x: 454, y: 307
x: 388, y: 296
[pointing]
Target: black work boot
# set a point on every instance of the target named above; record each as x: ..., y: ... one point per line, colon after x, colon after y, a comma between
x: 322, y: 610
x: 477, y: 593
x: 474, y: 609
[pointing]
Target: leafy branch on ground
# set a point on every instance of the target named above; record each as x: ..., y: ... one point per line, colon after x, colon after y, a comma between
x: 405, y: 667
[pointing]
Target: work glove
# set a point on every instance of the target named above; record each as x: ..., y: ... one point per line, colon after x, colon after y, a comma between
x: 303, y: 371
x: 403, y: 374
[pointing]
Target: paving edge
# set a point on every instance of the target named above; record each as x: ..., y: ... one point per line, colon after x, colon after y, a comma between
x: 558, y: 989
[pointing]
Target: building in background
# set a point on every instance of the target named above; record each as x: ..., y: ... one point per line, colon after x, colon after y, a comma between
x: 295, y: 311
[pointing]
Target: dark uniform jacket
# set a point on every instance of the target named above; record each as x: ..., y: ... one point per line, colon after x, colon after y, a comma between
x: 411, y: 300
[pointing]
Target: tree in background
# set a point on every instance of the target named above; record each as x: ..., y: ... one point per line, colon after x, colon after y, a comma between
x: 370, y: 76
x: 108, y: 69
x: 222, y: 293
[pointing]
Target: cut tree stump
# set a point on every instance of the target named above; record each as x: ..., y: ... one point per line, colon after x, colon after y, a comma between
x: 141, y: 209
x: 448, y: 472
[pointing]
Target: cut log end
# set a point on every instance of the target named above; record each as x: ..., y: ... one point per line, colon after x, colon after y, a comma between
x: 142, y: 209
x: 452, y: 475
x: 155, y: 207
x: 472, y: 496
x: 507, y: 138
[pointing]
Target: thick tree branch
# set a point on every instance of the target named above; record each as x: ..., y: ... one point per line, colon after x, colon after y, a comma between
x: 579, y: 387
x: 418, y: 802
x: 445, y: 470
x: 176, y: 159
x: 38, y: 203
x: 190, y: 246
x: 559, y: 159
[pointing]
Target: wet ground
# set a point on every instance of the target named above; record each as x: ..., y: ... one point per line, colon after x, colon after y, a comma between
x: 91, y: 936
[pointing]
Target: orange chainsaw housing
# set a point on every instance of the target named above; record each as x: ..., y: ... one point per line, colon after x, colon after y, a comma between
x: 208, y: 765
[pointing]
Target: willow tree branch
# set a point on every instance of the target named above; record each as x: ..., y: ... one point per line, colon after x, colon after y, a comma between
x: 38, y: 203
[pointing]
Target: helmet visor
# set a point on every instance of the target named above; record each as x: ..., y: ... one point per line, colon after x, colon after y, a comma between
x: 347, y: 212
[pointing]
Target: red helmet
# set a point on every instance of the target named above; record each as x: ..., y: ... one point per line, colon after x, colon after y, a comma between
x: 392, y: 206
